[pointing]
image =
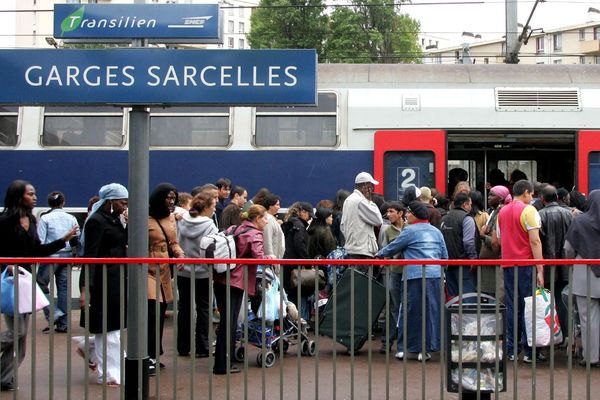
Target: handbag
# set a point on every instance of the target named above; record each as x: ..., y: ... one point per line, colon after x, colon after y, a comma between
x: 306, y: 278
x: 25, y: 301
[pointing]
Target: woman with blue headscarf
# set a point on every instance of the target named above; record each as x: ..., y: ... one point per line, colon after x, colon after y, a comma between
x: 105, y: 235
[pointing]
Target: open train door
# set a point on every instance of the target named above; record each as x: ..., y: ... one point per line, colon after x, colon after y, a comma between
x: 588, y: 161
x: 409, y: 158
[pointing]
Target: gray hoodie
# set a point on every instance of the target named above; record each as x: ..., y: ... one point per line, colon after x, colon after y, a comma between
x: 190, y: 231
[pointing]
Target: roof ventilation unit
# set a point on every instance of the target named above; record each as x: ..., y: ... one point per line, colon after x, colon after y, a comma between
x: 537, y: 99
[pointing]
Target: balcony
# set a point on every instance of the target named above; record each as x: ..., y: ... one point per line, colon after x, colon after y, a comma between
x: 590, y: 47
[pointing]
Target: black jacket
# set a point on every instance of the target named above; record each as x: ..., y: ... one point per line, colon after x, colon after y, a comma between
x: 296, y: 245
x: 105, y: 236
x: 555, y: 224
x: 17, y: 242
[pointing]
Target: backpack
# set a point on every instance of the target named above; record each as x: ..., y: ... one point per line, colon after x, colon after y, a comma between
x: 221, y: 245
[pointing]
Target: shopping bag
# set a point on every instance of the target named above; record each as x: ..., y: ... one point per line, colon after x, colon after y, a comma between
x: 271, y: 302
x: 7, y: 298
x: 545, y: 327
x: 25, y: 299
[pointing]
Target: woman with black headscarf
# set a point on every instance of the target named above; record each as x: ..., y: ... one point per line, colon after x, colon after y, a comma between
x: 582, y: 242
x: 162, y: 243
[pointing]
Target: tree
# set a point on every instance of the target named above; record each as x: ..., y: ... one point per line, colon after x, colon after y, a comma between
x: 289, y: 24
x: 372, y: 31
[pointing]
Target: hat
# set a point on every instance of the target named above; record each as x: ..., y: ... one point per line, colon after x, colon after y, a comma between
x: 425, y: 194
x: 418, y: 209
x: 365, y: 177
x: 411, y: 194
x: 307, y: 207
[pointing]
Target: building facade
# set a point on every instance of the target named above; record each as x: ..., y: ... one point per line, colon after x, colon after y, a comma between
x: 577, y: 44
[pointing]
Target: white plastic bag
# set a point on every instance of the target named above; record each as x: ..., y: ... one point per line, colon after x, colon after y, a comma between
x: 271, y: 304
x: 25, y: 300
x: 545, y: 327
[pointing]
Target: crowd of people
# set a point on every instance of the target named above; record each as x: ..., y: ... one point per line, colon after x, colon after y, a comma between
x: 522, y: 221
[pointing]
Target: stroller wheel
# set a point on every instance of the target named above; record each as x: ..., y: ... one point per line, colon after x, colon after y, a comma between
x: 239, y: 354
x: 269, y: 359
x: 309, y: 348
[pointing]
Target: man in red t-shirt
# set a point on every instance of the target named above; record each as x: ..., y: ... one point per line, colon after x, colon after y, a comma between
x: 519, y: 232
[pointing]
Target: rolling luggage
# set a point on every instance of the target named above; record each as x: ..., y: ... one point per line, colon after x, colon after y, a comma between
x: 361, y: 309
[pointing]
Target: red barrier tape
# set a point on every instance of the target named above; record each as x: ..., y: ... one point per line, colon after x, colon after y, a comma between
x: 254, y: 261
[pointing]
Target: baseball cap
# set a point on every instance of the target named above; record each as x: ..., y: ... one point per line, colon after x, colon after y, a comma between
x: 307, y: 207
x: 418, y: 209
x: 365, y: 177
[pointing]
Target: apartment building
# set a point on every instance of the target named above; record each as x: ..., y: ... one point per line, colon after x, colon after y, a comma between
x: 577, y: 44
x: 33, y: 20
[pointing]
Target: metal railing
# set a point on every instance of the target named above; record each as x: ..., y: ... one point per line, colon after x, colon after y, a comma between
x: 333, y: 355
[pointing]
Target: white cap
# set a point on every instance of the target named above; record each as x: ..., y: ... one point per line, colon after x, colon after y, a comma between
x: 365, y: 177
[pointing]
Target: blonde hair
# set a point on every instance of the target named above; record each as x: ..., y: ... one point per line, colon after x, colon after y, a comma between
x: 293, y: 211
x: 255, y: 211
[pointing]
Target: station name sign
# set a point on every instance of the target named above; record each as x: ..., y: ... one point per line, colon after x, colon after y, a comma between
x: 136, y: 21
x: 158, y: 76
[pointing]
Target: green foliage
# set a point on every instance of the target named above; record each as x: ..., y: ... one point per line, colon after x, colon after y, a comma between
x: 373, y: 31
x: 289, y: 24
x: 369, y: 31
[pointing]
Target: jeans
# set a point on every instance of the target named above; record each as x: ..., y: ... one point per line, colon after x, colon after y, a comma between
x: 432, y: 315
x: 524, y: 290
x: 60, y: 273
x: 452, y: 282
x: 395, y: 289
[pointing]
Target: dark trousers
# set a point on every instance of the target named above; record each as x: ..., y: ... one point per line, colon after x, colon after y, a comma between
x: 152, y: 320
x: 453, y: 280
x: 184, y: 316
x: 524, y: 290
x: 226, y: 323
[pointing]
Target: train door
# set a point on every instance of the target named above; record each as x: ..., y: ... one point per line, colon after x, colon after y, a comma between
x: 541, y: 156
x: 588, y: 161
x: 409, y: 158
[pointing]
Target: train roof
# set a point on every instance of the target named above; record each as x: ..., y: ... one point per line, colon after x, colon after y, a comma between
x: 358, y: 75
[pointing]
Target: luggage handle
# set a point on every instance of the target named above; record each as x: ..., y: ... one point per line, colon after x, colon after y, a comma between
x: 455, y: 299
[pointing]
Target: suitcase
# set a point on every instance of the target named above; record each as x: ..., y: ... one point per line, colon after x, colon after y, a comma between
x: 361, y: 309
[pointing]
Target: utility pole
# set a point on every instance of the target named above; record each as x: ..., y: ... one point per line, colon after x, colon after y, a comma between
x: 514, y: 40
x: 512, y: 36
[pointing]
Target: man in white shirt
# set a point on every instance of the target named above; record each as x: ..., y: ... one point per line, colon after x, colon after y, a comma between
x: 360, y: 218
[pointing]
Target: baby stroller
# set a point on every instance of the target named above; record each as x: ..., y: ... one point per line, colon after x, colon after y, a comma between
x: 280, y: 331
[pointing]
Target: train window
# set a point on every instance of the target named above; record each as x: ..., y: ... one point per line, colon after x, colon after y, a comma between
x: 298, y: 126
x: 594, y: 171
x: 529, y: 167
x: 83, y: 127
x: 190, y: 126
x: 8, y: 126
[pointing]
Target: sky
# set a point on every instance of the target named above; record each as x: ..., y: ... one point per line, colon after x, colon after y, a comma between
x: 440, y: 18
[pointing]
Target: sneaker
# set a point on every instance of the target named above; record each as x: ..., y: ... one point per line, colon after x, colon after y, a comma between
x: 46, y: 330
x: 511, y: 357
x: 399, y: 355
x: 61, y: 329
x: 152, y: 367
x: 538, y: 358
x: 420, y: 356
x: 232, y: 370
